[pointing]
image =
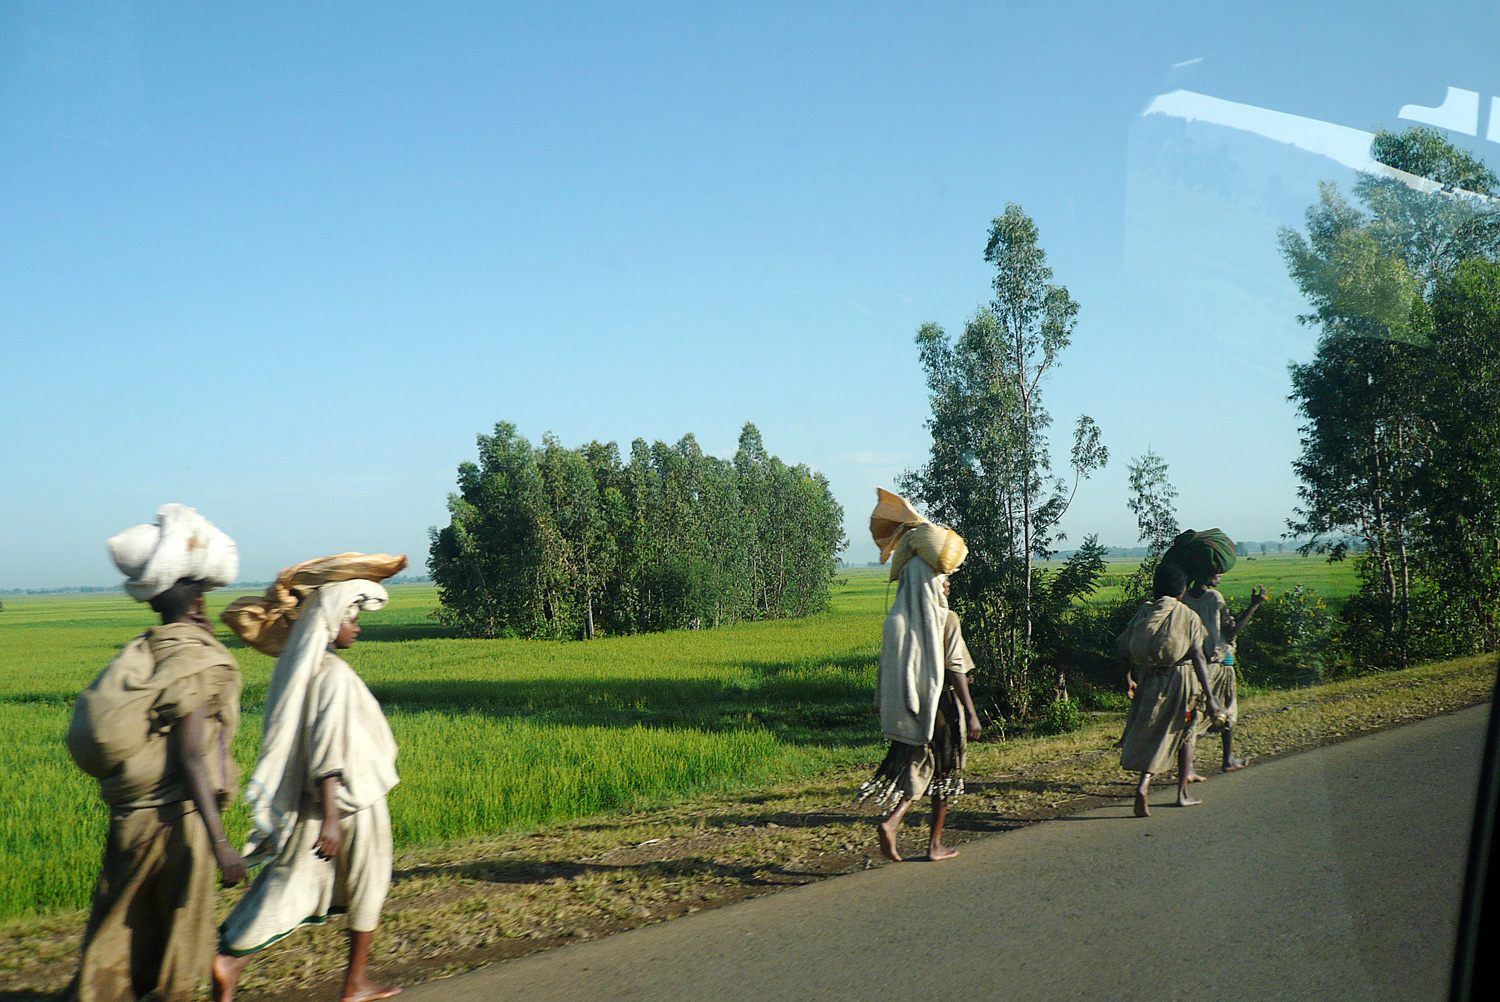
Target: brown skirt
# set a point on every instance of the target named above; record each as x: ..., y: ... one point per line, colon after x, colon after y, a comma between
x: 151, y: 928
x: 910, y: 771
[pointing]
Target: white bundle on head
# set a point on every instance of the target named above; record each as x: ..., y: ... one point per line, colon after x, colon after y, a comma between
x: 180, y: 544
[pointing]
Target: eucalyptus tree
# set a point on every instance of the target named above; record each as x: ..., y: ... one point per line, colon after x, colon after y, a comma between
x: 1151, y: 497
x: 989, y: 471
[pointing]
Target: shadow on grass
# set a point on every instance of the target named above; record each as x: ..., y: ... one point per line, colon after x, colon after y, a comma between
x: 801, y: 703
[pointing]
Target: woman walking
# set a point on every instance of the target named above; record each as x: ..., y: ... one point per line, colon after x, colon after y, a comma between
x: 923, y: 692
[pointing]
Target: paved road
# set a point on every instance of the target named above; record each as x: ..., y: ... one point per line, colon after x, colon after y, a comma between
x: 1330, y: 875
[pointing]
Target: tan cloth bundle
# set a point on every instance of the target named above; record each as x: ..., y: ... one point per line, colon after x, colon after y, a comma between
x: 902, y: 534
x: 265, y: 621
x: 1162, y: 633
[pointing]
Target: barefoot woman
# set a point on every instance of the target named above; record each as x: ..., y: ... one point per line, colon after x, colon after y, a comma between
x: 317, y: 797
x: 1161, y: 651
x: 1205, y: 556
x: 923, y: 693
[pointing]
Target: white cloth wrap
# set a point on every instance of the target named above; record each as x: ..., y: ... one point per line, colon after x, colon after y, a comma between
x: 320, y: 719
x: 180, y: 544
x: 297, y: 886
x: 912, y: 656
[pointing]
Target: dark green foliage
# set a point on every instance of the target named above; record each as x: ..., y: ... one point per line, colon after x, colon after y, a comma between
x: 1288, y: 641
x: 558, y: 542
x: 1402, y: 428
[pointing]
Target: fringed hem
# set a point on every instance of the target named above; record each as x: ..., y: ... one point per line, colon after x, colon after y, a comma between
x: 908, y: 772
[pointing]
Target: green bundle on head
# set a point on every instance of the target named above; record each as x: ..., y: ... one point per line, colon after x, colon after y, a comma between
x: 1201, y: 554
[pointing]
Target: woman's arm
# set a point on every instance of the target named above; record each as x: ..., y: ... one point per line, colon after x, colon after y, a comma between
x: 960, y: 682
x: 329, y: 836
x: 1256, y: 598
x: 1200, y: 668
x: 185, y: 743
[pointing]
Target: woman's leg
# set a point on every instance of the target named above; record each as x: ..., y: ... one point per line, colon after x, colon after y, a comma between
x: 1185, y: 772
x: 935, y: 848
x: 1141, y: 789
x: 886, y: 830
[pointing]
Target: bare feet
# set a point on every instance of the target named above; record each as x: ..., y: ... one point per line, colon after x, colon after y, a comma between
x: 1141, y: 810
x: 1231, y: 764
x: 1183, y: 800
x: 226, y: 972
x: 1193, y: 777
x: 937, y: 851
x: 369, y: 991
x: 888, y: 842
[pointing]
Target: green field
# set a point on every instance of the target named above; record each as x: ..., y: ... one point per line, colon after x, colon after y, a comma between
x: 1277, y: 571
x: 494, y: 734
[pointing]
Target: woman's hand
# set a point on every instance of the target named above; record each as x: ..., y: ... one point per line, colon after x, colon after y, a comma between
x: 974, y: 727
x: 1258, y: 595
x: 329, y: 837
x: 231, y: 865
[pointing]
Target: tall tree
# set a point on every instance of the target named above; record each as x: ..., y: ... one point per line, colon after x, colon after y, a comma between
x: 1368, y: 435
x: 1151, y: 497
x: 989, y: 472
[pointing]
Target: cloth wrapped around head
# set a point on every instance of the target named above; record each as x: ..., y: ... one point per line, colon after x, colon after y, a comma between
x: 275, y: 788
x: 180, y: 544
x: 265, y: 621
x: 902, y: 534
x: 1201, y: 554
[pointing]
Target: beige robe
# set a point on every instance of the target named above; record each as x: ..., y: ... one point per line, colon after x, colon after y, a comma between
x: 910, y: 771
x: 151, y: 924
x: 347, y: 735
x: 1222, y: 679
x: 1159, y: 640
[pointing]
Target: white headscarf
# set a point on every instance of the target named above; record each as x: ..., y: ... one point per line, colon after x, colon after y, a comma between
x: 180, y: 544
x: 274, y: 792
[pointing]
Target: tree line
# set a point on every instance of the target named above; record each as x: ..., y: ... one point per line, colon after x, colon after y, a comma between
x: 550, y: 541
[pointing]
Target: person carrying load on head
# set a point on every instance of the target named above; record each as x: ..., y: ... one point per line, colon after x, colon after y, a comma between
x: 1205, y: 556
x: 155, y: 729
x: 926, y: 711
x: 327, y: 760
x: 1161, y: 650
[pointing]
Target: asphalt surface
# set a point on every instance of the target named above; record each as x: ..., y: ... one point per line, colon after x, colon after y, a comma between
x: 1334, y: 874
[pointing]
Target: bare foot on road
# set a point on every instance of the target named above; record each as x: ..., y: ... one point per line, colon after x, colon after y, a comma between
x: 1141, y: 810
x: 369, y: 991
x: 1193, y: 777
x: 1235, y: 763
x: 1185, y: 801
x: 888, y: 842
x: 940, y: 851
x: 226, y: 971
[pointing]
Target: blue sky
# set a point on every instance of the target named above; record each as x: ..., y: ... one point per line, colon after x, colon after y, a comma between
x: 284, y: 261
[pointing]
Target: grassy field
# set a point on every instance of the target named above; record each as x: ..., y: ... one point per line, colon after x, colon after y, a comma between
x: 495, y: 735
x: 1277, y: 571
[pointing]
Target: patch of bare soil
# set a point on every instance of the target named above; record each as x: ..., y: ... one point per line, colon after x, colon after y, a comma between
x: 460, y: 906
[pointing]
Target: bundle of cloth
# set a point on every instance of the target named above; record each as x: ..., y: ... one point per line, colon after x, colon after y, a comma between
x: 265, y: 621
x: 180, y: 544
x: 1201, y: 554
